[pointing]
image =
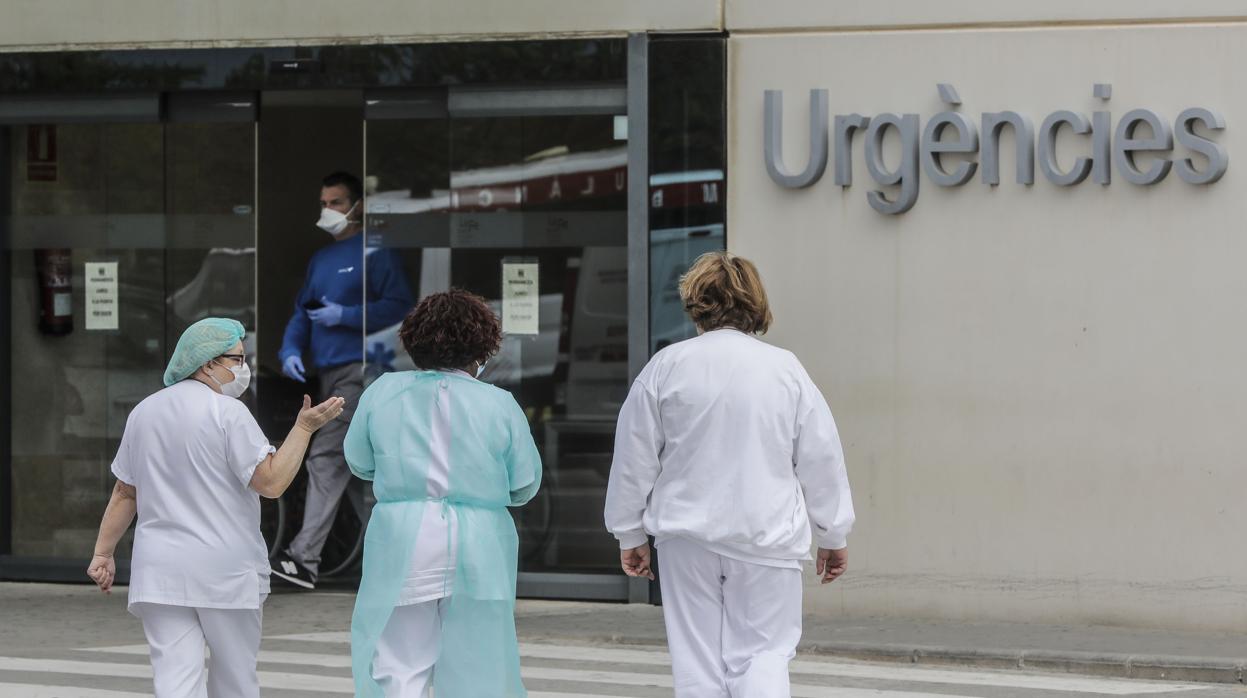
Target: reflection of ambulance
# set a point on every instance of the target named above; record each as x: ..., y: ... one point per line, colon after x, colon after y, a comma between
x: 686, y: 221
x: 222, y: 287
x: 522, y: 356
x: 579, y: 349
x: 553, y: 176
x: 597, y: 375
x: 596, y: 349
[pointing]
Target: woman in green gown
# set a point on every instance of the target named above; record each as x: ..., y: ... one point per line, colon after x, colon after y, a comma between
x: 447, y: 454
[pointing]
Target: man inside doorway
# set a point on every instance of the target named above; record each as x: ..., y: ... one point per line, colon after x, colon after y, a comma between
x: 328, y: 327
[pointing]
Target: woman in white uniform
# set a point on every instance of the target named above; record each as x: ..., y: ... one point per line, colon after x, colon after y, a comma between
x: 726, y: 453
x: 447, y: 454
x: 192, y: 464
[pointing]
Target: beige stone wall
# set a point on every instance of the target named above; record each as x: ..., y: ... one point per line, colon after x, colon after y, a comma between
x: 67, y: 24
x: 1040, y: 389
x: 753, y: 15
x: 60, y: 24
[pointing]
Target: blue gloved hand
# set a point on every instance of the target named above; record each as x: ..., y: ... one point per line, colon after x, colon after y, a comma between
x: 292, y: 367
x: 328, y: 315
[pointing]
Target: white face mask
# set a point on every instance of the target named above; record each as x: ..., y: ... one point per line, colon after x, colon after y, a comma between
x: 481, y: 369
x: 334, y: 222
x: 238, y: 386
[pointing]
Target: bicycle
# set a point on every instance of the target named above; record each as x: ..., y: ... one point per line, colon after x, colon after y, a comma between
x: 281, y: 518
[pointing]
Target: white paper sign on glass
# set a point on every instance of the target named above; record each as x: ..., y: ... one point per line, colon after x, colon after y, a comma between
x: 101, y: 296
x: 519, y: 298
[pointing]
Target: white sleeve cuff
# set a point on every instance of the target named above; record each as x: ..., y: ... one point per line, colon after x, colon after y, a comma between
x: 248, y: 473
x: 121, y: 473
x: 833, y: 542
x: 631, y: 539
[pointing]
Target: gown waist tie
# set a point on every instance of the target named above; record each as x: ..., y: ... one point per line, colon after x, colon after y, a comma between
x: 447, y: 506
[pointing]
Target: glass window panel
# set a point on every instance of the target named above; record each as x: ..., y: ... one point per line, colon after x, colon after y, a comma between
x: 688, y: 164
x: 303, y: 136
x: 100, y: 178
x: 461, y: 197
x: 156, y: 201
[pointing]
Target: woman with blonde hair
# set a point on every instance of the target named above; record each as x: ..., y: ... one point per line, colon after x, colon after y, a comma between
x: 727, y: 453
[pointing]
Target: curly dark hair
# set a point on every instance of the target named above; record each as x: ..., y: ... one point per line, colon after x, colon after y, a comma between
x: 451, y: 330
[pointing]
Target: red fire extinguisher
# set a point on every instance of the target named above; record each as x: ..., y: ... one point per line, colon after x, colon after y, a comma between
x: 56, y: 297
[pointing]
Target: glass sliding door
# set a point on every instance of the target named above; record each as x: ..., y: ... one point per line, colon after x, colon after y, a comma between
x: 122, y: 228
x: 304, y: 135
x: 519, y: 195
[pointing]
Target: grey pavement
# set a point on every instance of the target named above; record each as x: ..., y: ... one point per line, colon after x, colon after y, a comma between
x: 48, y: 621
x: 1096, y: 650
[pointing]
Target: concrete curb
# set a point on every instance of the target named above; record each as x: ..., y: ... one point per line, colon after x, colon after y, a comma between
x: 1224, y: 670
x: 1156, y: 667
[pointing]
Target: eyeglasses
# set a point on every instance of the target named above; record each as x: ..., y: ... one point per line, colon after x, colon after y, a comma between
x: 239, y: 359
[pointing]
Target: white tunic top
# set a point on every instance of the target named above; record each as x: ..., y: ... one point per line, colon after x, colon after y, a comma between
x: 724, y: 440
x: 190, y: 453
x: 431, y: 572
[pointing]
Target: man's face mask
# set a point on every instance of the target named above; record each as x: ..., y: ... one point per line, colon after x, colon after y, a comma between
x: 334, y: 222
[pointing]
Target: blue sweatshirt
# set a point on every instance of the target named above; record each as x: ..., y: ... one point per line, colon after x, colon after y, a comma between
x: 336, y: 272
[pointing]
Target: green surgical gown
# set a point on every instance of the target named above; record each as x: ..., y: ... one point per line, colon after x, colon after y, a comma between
x: 492, y: 464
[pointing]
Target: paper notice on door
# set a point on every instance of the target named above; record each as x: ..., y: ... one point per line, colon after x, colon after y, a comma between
x: 519, y: 298
x: 101, y: 301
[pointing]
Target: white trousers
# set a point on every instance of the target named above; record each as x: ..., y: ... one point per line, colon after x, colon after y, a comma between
x: 732, y: 626
x: 177, y: 636
x: 408, y: 649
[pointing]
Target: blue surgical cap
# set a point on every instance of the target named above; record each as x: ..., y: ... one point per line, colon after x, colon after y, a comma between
x: 200, y: 343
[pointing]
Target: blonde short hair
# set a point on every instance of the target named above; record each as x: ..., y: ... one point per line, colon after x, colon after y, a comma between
x: 723, y: 290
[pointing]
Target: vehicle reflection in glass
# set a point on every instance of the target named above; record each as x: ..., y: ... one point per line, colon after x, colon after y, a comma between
x: 223, y: 287
x: 584, y: 327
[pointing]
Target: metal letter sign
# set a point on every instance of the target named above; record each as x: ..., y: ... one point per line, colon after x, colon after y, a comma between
x: 1141, y: 147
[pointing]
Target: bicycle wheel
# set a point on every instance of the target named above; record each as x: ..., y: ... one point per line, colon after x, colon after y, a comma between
x: 273, y: 524
x: 345, y: 544
x: 534, y: 522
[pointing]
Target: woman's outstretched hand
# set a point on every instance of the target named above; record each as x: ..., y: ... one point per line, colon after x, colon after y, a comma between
x: 313, y: 418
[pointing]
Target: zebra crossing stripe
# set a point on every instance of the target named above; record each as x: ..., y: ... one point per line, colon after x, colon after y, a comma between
x: 343, y: 638
x: 268, y: 679
x: 26, y: 690
x: 71, y: 666
x: 657, y: 674
x: 335, y: 661
x: 824, y: 693
x: 120, y: 649
x: 659, y: 679
x: 881, y: 672
x: 628, y: 678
